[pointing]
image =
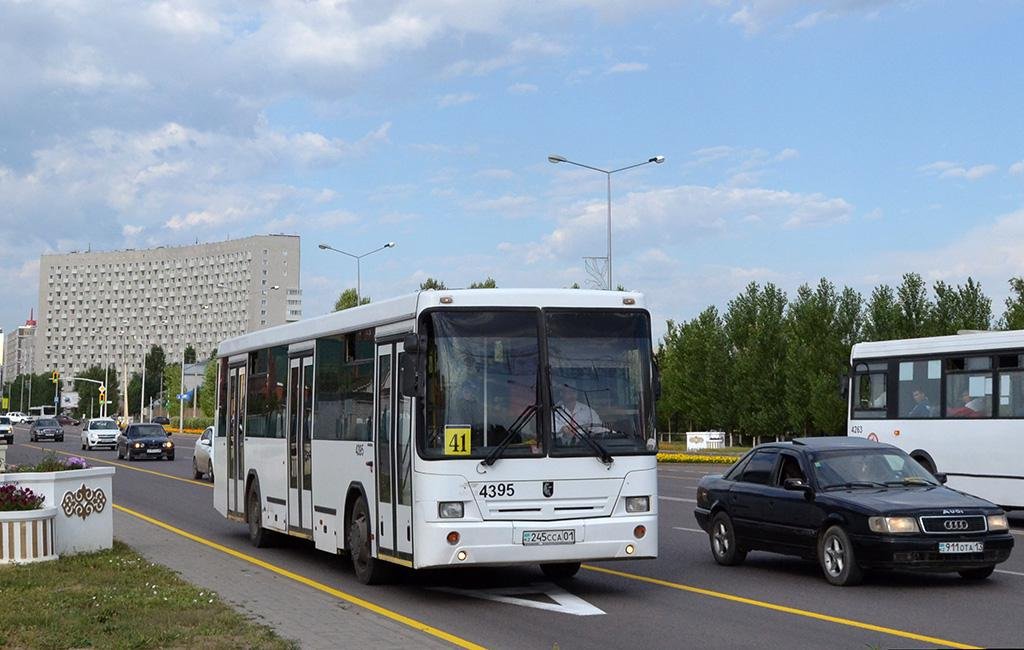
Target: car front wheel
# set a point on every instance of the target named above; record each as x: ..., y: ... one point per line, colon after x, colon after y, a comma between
x: 722, y: 536
x: 837, y: 558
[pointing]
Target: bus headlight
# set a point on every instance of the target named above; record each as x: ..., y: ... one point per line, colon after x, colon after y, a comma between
x: 450, y: 509
x: 638, y: 504
x: 894, y: 525
x: 998, y: 522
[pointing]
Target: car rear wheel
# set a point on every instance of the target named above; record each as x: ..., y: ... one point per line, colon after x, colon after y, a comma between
x: 723, y: 541
x: 196, y: 474
x: 837, y: 559
x: 977, y: 574
x: 560, y: 570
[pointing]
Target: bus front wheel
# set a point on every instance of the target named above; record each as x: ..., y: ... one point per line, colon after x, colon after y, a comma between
x: 368, y: 570
x: 560, y: 570
x: 258, y: 535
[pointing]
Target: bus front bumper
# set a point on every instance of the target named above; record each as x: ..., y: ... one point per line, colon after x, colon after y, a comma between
x: 499, y: 543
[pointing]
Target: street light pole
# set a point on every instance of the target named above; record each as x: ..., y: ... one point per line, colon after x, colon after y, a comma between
x: 359, y: 294
x: 608, y: 175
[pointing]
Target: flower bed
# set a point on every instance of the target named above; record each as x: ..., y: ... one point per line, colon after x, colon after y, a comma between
x: 666, y: 457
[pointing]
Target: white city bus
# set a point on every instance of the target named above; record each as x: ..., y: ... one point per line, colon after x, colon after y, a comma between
x: 44, y: 411
x: 447, y: 428
x: 954, y: 403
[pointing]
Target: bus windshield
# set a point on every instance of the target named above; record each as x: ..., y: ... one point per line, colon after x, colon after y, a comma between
x: 482, y: 382
x: 600, y: 386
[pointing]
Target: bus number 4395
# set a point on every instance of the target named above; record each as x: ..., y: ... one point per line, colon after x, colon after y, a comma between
x: 492, y: 490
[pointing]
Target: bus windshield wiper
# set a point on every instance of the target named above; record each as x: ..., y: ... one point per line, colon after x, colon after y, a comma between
x: 517, y: 425
x: 856, y: 484
x: 585, y: 436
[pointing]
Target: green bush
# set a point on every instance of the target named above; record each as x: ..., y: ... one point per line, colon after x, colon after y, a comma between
x: 191, y: 423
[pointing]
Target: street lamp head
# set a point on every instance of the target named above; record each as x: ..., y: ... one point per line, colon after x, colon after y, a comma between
x: 390, y: 244
x: 554, y: 158
x: 657, y: 160
x: 275, y: 287
x: 323, y: 247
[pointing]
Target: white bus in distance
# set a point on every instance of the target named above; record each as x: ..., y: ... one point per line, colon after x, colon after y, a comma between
x: 954, y: 403
x: 447, y: 428
x: 44, y: 411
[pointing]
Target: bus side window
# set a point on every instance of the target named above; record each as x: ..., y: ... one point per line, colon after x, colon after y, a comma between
x: 869, y: 390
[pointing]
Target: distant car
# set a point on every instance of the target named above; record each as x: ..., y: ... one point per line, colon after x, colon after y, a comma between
x: 6, y: 430
x: 67, y: 420
x: 202, y: 456
x: 99, y: 432
x: 162, y: 419
x: 46, y: 428
x: 16, y: 417
x: 147, y: 440
x: 851, y: 504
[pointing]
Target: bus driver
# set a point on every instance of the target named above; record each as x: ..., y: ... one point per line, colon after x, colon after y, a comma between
x: 580, y: 413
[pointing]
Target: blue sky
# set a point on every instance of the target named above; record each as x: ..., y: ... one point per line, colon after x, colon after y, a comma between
x: 852, y: 139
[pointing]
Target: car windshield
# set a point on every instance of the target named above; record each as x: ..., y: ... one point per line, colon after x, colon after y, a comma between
x: 599, y: 385
x: 868, y: 468
x: 5, y: 420
x: 146, y: 431
x: 46, y: 422
x: 482, y: 384
x: 102, y: 424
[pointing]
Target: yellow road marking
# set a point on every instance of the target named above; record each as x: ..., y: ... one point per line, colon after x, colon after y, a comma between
x: 125, y: 465
x: 782, y: 608
x: 355, y: 600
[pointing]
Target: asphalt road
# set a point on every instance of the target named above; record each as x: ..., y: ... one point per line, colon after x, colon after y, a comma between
x: 681, y: 599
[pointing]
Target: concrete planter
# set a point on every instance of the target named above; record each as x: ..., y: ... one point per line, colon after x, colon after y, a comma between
x: 83, y: 501
x: 27, y: 536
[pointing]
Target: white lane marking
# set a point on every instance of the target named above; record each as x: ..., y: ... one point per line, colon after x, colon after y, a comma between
x: 564, y: 602
x: 678, y: 499
x: 1012, y: 573
x: 690, y: 530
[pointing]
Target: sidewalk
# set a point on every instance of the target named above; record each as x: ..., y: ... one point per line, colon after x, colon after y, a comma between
x: 295, y: 611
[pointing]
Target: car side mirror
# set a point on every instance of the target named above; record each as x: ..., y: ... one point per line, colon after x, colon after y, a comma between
x: 168, y: 433
x: 941, y: 477
x: 798, y: 485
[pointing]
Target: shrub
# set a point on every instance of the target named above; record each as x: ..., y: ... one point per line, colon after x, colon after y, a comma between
x: 13, y: 497
x: 51, y: 462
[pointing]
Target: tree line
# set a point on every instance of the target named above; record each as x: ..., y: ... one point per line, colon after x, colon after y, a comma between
x: 772, y: 365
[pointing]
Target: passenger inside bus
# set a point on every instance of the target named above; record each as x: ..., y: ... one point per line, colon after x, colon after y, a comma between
x: 967, y: 407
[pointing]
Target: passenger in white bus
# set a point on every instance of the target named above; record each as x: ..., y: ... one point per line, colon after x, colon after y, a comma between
x: 965, y: 409
x: 922, y: 409
x: 586, y: 417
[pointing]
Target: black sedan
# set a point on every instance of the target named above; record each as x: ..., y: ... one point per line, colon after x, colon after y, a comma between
x: 67, y: 420
x: 850, y: 504
x: 144, y: 441
x: 46, y: 428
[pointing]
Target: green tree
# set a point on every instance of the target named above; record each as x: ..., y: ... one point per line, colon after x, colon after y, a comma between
x: 696, y: 369
x: 172, y: 387
x: 489, y: 283
x: 190, y: 354
x: 754, y: 324
x: 1013, y: 317
x: 964, y: 307
x: 431, y: 283
x: 155, y: 362
x: 915, y: 317
x: 882, y: 315
x: 134, y: 386
x: 208, y: 391
x: 348, y: 299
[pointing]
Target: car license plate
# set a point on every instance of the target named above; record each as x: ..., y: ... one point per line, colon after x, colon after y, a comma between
x: 152, y: 451
x: 546, y: 537
x: 961, y: 547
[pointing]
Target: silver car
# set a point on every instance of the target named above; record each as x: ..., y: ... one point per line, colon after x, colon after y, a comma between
x: 6, y: 430
x: 202, y: 456
x: 99, y: 432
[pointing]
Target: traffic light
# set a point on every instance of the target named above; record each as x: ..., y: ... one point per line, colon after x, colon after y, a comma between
x: 55, y: 376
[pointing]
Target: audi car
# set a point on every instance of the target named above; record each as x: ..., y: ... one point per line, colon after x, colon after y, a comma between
x: 144, y: 441
x: 47, y: 428
x: 849, y: 504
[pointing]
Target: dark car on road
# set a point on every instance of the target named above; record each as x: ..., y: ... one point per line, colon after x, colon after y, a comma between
x: 67, y: 420
x: 48, y: 428
x: 162, y: 419
x: 850, y: 504
x: 144, y: 441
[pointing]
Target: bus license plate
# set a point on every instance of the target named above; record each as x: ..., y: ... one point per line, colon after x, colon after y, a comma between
x: 546, y: 537
x: 961, y: 547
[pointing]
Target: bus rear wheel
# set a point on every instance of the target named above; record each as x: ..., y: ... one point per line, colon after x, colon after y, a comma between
x: 368, y: 570
x: 560, y: 570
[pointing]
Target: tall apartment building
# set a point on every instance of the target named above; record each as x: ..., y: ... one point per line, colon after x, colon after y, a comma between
x: 18, y: 350
x: 110, y: 307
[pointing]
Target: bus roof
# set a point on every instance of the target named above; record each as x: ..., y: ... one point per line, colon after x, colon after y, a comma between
x: 408, y: 307
x: 965, y: 342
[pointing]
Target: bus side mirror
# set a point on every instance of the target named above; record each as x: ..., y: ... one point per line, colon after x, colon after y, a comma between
x: 409, y: 372
x: 414, y: 344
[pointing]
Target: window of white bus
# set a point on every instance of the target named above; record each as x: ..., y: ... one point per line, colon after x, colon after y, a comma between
x: 344, y: 387
x: 1011, y: 385
x: 920, y: 388
x: 870, y: 390
x: 267, y: 393
x: 969, y: 387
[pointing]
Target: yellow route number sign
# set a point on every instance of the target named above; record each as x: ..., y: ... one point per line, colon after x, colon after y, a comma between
x: 457, y: 440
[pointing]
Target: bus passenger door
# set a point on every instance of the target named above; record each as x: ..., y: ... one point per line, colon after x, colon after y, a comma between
x: 382, y: 428
x: 403, y: 462
x: 394, y: 456
x: 300, y: 431
x: 236, y: 438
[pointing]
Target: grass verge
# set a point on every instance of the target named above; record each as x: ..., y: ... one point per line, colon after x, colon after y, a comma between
x: 118, y: 599
x: 713, y: 459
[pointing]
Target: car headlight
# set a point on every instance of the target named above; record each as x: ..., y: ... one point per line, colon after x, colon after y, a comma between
x: 893, y: 525
x: 137, y: 445
x: 998, y: 522
x: 168, y: 444
x: 638, y: 504
x: 450, y: 509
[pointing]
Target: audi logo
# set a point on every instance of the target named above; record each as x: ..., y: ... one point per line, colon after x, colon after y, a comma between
x: 955, y: 524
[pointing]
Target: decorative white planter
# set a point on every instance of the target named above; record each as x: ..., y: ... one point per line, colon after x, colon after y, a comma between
x: 27, y: 536
x: 83, y: 501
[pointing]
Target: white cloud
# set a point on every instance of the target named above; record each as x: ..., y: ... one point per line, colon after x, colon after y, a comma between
x: 787, y: 154
x: 627, y: 67
x: 522, y: 89
x: 755, y: 16
x: 1017, y: 168
x: 456, y: 99
x: 509, y: 205
x: 947, y: 169
x: 130, y: 231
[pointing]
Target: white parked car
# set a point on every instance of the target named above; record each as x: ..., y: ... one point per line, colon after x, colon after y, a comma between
x: 202, y: 456
x: 17, y: 417
x: 100, y: 432
x: 6, y: 430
